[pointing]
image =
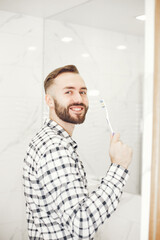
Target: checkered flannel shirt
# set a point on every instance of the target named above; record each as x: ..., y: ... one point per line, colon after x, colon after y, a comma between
x: 58, y: 204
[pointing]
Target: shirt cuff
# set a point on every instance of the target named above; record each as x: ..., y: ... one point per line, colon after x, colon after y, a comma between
x: 118, y: 172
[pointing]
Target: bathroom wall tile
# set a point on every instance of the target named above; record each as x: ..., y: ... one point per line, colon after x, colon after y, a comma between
x: 19, y: 113
x: 13, y: 230
x: 19, y: 24
x: 120, y: 62
x: 82, y: 35
x: 68, y: 53
x: 21, y: 47
x: 11, y: 162
x: 12, y: 209
x: 57, y: 30
x: 21, y: 41
x: 19, y: 81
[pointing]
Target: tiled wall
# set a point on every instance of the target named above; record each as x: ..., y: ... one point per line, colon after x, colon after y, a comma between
x: 21, y: 112
x: 117, y: 74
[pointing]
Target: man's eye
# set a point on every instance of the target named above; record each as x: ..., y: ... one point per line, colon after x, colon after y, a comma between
x: 69, y: 92
x: 83, y: 93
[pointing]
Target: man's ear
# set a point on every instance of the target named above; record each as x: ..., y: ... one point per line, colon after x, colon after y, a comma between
x: 49, y: 100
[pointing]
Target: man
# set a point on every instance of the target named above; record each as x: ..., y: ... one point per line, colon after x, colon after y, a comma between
x: 58, y: 204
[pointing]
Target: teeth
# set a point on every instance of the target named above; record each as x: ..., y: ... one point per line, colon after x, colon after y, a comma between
x: 77, y: 109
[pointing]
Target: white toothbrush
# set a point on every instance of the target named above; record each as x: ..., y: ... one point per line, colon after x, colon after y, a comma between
x: 107, y: 116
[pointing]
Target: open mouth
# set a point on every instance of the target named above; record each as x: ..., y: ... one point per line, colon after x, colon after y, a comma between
x: 77, y: 109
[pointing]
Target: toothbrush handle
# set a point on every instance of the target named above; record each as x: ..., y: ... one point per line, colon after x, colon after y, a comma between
x: 110, y: 126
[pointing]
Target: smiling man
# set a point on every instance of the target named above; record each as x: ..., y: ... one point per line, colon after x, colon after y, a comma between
x: 58, y: 204
x: 66, y: 97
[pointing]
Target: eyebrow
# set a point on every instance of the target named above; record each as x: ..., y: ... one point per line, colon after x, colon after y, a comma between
x: 74, y: 88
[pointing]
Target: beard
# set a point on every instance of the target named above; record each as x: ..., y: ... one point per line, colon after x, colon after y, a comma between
x: 63, y: 113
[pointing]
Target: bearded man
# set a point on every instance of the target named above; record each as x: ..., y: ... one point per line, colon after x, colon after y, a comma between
x: 58, y: 203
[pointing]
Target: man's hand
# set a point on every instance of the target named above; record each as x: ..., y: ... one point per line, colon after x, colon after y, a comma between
x: 119, y: 152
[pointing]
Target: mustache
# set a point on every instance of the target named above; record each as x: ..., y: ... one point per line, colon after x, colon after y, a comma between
x: 77, y: 104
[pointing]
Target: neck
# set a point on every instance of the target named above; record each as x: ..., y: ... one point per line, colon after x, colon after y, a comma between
x: 69, y: 127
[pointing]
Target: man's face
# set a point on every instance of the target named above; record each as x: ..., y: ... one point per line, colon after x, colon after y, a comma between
x: 70, y: 98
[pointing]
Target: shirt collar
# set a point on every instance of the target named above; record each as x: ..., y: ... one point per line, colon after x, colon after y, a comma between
x: 60, y: 131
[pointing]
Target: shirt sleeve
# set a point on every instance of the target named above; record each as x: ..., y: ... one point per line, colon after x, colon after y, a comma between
x: 64, y: 191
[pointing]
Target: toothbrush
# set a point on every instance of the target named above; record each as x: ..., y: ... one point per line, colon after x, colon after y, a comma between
x: 107, y: 116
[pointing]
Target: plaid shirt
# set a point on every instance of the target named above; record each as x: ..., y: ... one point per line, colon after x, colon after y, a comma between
x: 58, y: 204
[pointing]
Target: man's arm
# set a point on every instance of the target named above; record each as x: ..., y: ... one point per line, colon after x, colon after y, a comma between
x: 80, y: 213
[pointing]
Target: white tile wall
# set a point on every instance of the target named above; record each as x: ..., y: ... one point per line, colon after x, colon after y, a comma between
x: 21, y: 112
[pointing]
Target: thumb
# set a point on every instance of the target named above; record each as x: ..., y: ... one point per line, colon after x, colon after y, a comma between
x: 115, y: 137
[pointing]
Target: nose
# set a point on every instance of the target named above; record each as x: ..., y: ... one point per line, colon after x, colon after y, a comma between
x: 77, y: 98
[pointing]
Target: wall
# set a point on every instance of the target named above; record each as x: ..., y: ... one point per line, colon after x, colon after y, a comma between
x: 21, y: 112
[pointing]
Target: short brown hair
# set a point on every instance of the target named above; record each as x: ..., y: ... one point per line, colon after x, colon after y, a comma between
x: 51, y: 76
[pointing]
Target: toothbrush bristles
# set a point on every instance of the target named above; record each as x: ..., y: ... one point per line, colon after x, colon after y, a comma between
x: 102, y: 103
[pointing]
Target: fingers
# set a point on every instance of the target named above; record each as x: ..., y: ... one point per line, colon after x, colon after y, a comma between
x: 115, y: 137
